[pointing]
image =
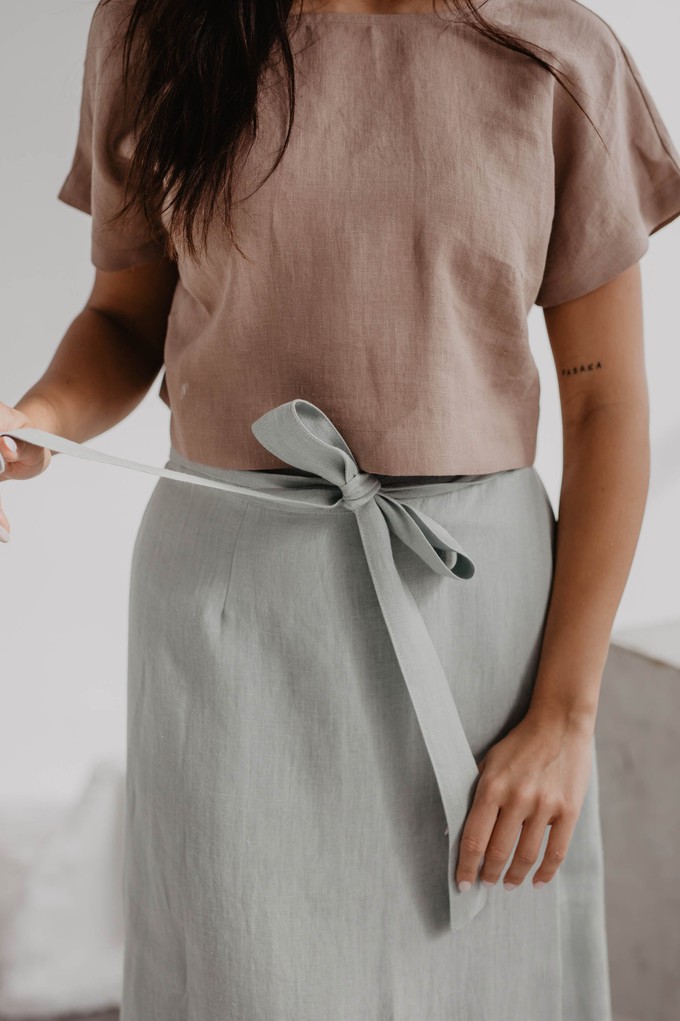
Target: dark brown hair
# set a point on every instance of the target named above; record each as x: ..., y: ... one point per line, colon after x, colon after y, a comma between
x: 197, y: 69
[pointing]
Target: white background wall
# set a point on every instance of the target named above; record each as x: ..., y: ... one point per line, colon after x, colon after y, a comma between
x: 64, y: 574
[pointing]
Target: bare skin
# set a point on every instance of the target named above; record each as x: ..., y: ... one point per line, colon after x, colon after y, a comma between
x: 105, y: 364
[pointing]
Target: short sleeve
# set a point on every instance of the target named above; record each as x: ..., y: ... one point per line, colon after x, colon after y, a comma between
x: 95, y: 182
x: 607, y: 203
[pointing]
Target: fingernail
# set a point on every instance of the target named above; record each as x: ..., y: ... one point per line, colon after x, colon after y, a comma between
x: 487, y: 882
x: 464, y: 885
x: 540, y: 882
x: 4, y: 534
x: 510, y: 886
x: 10, y: 443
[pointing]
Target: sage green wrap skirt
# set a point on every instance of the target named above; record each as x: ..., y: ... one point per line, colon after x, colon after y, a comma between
x: 317, y: 660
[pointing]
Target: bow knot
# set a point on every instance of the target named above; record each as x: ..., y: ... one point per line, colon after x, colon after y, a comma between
x: 359, y: 490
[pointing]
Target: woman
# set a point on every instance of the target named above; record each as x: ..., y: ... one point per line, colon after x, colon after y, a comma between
x: 340, y: 763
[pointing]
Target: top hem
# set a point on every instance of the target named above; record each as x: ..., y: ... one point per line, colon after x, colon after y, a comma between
x: 403, y: 478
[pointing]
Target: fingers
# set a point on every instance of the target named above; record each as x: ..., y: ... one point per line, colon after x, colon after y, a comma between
x: 18, y: 450
x: 527, y: 850
x: 9, y: 453
x: 474, y: 838
x: 490, y: 833
x: 4, y: 525
x: 8, y: 449
x: 501, y: 843
x: 20, y: 459
x: 556, y: 848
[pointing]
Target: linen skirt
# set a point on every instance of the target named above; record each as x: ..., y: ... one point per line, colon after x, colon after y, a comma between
x: 316, y: 664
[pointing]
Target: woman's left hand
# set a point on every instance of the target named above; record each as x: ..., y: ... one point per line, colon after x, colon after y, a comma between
x: 536, y: 776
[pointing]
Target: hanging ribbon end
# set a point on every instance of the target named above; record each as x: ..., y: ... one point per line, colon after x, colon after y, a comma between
x: 463, y: 907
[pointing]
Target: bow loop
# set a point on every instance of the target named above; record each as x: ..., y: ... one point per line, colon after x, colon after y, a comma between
x: 299, y: 433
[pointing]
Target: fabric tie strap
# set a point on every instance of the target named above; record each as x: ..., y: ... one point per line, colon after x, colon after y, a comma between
x: 300, y: 434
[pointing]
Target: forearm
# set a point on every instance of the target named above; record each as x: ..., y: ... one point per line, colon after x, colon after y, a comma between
x: 602, y: 501
x: 97, y: 376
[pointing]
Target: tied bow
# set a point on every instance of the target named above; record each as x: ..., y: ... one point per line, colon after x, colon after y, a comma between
x: 300, y: 434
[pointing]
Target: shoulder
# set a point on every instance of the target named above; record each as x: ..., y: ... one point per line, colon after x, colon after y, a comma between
x: 110, y: 16
x: 584, y: 44
x: 108, y: 24
x: 563, y: 22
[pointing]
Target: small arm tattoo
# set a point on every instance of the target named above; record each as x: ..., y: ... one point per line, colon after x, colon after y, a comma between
x: 590, y: 367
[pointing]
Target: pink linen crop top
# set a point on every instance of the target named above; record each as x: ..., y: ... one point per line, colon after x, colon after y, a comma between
x: 436, y: 186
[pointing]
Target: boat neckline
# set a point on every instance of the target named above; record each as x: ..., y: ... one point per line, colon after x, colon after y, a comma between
x: 373, y: 15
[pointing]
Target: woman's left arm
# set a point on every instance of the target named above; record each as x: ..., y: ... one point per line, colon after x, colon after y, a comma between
x: 538, y: 774
x: 597, y: 344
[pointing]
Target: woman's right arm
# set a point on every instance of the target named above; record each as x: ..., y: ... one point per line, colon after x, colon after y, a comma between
x: 103, y: 367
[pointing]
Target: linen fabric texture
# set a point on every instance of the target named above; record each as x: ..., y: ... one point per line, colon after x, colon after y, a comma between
x: 436, y: 186
x: 286, y: 848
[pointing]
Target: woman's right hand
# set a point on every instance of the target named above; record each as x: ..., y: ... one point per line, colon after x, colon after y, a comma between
x: 22, y: 460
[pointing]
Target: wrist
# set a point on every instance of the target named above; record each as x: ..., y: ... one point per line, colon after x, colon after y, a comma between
x: 41, y: 412
x: 566, y: 718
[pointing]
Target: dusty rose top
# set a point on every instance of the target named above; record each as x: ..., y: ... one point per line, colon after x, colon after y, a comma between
x: 436, y: 187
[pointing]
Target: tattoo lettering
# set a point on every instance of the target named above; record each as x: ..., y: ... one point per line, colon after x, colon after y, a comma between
x: 590, y: 367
